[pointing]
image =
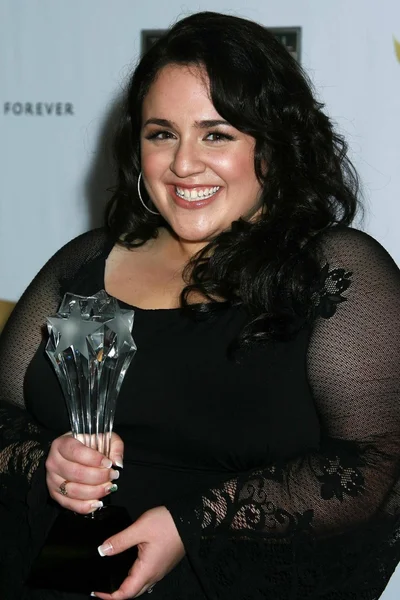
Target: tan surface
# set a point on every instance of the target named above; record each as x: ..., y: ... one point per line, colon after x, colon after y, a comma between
x: 5, y: 309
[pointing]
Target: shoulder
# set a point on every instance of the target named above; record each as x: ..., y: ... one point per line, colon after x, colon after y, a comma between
x: 82, y: 249
x: 355, y: 266
x: 348, y: 238
x: 75, y: 254
x: 354, y: 250
x: 91, y: 242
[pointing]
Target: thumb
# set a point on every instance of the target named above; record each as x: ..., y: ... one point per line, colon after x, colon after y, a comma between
x: 125, y: 539
x: 117, y: 450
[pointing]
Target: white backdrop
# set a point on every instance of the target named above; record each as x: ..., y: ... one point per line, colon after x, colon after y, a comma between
x: 53, y: 165
x: 62, y: 66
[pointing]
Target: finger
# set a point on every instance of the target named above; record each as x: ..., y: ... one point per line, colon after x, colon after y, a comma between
x: 81, y: 475
x: 136, y: 584
x: 57, y: 463
x: 75, y: 451
x: 83, y: 508
x: 121, y: 541
x: 117, y: 451
x: 147, y: 588
x: 80, y: 491
x: 78, y: 506
x: 140, y: 578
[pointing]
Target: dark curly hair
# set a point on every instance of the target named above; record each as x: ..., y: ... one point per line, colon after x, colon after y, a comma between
x: 270, y: 267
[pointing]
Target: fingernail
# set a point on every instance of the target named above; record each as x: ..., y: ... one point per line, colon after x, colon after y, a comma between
x: 119, y: 462
x: 105, y: 549
x: 96, y: 505
x: 114, y: 475
x: 112, y: 488
x: 93, y: 594
x: 107, y: 463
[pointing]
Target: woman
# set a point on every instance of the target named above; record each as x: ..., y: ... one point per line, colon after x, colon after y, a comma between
x: 259, y: 422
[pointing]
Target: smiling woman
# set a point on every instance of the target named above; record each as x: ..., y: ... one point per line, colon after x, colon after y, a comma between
x: 259, y: 421
x: 198, y: 169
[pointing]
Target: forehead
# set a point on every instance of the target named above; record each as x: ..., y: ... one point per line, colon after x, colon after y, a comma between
x: 179, y: 90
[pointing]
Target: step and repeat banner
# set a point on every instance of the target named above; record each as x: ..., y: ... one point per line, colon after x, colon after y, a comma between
x: 64, y: 65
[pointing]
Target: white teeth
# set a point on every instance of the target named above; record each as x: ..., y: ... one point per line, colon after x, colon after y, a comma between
x: 196, y: 194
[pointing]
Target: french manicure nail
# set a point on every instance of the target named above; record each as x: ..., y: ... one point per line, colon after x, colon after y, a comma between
x: 107, y: 463
x: 119, y: 462
x: 96, y: 505
x: 93, y: 594
x: 114, y: 475
x: 105, y: 549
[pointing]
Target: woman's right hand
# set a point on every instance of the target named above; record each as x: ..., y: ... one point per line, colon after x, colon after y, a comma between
x: 85, y: 474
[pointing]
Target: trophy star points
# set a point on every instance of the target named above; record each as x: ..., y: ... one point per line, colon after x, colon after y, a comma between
x: 121, y: 324
x: 72, y: 332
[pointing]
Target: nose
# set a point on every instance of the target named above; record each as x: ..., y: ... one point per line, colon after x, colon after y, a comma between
x: 187, y: 159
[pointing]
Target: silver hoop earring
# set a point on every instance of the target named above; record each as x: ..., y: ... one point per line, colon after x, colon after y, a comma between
x: 140, y: 196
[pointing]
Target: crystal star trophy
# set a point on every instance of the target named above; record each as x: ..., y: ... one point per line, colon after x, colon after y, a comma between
x: 90, y: 346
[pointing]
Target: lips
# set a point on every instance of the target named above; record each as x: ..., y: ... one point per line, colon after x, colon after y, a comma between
x: 194, y: 197
x: 196, y: 193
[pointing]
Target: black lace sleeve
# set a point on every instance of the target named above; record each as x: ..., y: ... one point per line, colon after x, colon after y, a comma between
x: 325, y: 525
x: 25, y: 513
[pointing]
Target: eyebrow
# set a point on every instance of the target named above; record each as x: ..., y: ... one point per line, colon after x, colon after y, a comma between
x: 199, y: 124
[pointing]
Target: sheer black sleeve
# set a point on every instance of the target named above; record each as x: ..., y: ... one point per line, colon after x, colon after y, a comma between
x: 325, y: 525
x: 25, y: 513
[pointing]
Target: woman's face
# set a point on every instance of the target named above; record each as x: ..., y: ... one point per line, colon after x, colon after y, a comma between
x: 198, y: 170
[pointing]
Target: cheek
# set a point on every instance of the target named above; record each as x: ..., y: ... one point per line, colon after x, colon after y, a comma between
x: 245, y: 180
x: 152, y: 164
x: 236, y: 169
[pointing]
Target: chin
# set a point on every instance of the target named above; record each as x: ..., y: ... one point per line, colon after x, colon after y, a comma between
x: 194, y: 235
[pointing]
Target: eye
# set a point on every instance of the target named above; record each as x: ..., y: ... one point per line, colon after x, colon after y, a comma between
x: 218, y: 136
x: 159, y: 135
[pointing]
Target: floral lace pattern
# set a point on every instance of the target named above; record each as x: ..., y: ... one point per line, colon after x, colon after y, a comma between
x: 333, y: 284
x: 326, y: 525
x: 339, y: 479
x: 251, y: 509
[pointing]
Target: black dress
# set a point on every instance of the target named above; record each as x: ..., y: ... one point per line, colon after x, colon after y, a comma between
x: 280, y: 468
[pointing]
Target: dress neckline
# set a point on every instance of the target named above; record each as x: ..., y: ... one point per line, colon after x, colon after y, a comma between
x: 149, y: 311
x: 124, y: 304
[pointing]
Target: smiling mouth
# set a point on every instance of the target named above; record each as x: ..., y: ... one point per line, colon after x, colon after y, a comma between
x: 197, y: 194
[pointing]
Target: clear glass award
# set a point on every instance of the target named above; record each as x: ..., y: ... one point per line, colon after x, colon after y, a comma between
x: 90, y: 346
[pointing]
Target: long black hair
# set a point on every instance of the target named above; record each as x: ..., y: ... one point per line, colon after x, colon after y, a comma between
x: 272, y: 266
